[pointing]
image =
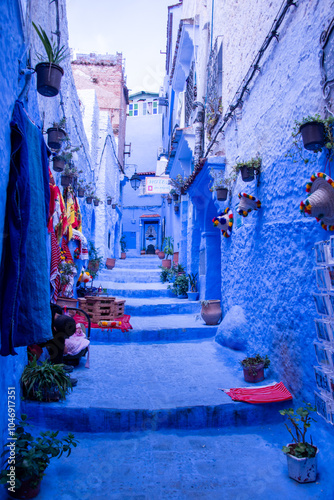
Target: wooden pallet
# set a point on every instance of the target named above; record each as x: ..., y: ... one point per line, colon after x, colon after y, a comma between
x: 98, y: 308
x: 119, y: 308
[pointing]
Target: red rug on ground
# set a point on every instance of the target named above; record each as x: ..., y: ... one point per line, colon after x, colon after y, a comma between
x: 268, y: 394
x: 122, y: 323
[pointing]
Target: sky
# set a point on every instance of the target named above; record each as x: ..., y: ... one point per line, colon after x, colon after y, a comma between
x: 137, y: 28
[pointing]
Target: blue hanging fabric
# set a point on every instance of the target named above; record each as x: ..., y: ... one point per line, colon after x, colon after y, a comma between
x: 24, y: 277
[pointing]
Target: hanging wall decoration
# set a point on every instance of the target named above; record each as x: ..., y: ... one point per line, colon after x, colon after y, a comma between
x: 247, y: 204
x: 224, y: 221
x: 320, y: 201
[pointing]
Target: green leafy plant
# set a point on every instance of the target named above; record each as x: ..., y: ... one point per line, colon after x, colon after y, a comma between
x: 71, y: 170
x: 180, y: 285
x: 33, y: 454
x: 67, y: 270
x: 300, y: 421
x: 252, y: 363
x: 172, y: 191
x: 218, y: 179
x: 193, y: 281
x: 89, y: 190
x: 205, y: 303
x: 254, y: 163
x: 168, y: 246
x: 44, y: 382
x: 67, y: 151
x: 297, y: 151
x: 54, y: 55
x: 123, y: 243
x: 178, y: 184
x: 95, y: 260
x: 61, y: 124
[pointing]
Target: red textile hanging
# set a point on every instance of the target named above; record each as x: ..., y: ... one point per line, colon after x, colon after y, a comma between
x: 269, y: 394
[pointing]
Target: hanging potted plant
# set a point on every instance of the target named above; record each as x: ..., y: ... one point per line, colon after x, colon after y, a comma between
x: 96, y: 201
x: 219, y: 184
x: 211, y: 311
x: 70, y: 172
x: 109, y: 200
x: 58, y: 164
x: 49, y: 73
x: 89, y: 192
x: 301, y: 455
x: 248, y: 169
x: 174, y: 194
x: 32, y: 458
x: 81, y: 188
x: 193, y: 293
x: 254, y: 367
x: 64, y: 157
x: 168, y: 250
x: 114, y: 205
x: 177, y: 207
x: 56, y: 134
x: 316, y: 133
x: 169, y: 199
x: 123, y: 246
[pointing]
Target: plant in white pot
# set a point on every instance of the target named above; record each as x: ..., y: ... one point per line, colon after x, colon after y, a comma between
x: 301, y: 455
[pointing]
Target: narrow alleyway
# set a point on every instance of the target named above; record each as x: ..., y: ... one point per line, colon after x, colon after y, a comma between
x: 149, y: 415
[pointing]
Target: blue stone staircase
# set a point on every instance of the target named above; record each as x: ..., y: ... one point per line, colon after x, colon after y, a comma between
x: 165, y: 373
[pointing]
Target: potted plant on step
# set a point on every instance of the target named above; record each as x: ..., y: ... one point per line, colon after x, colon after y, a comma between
x: 110, y: 263
x: 32, y: 457
x: 123, y: 246
x: 211, y: 311
x: 254, y: 367
x: 142, y: 251
x: 45, y: 382
x: 168, y: 249
x: 193, y: 293
x: 301, y: 455
x: 180, y: 286
x: 95, y: 260
x: 56, y: 134
x: 49, y: 73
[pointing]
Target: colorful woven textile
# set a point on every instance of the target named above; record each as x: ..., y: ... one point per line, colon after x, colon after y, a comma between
x: 54, y: 273
x: 82, y: 244
x: 122, y: 323
x: 265, y: 394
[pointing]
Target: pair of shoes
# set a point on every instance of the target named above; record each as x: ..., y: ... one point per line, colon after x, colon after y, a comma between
x: 68, y: 368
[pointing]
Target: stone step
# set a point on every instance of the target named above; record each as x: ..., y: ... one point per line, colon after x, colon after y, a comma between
x: 135, y: 387
x: 135, y: 290
x: 149, y: 263
x: 136, y: 275
x: 161, y: 306
x: 171, y: 328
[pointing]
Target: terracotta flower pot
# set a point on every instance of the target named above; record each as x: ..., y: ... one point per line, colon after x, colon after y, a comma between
x: 142, y: 252
x: 89, y: 200
x: 211, y: 313
x: 222, y: 194
x: 58, y: 164
x: 48, y: 78
x: 313, y: 135
x: 55, y: 137
x: 110, y: 263
x: 67, y: 302
x: 66, y: 180
x: 247, y: 173
x: 123, y: 255
x: 254, y: 373
x: 166, y: 263
x: 161, y: 255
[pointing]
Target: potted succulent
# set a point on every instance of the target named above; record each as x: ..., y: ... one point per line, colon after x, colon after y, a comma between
x: 49, y: 73
x: 168, y: 250
x: 123, y: 246
x: 193, y: 293
x: 301, y: 455
x: 211, y: 311
x: 248, y: 169
x: 56, y: 134
x: 218, y: 184
x: 254, y: 367
x: 32, y: 457
x: 45, y: 382
x: 180, y: 285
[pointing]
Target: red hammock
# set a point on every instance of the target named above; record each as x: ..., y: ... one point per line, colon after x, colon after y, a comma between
x: 122, y: 323
x: 268, y: 394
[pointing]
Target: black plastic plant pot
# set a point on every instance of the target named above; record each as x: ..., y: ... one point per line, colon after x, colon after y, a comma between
x: 169, y: 200
x: 66, y: 180
x: 48, y: 78
x: 222, y: 194
x: 58, y: 164
x: 247, y: 173
x: 176, y: 209
x: 109, y: 201
x: 313, y: 135
x: 89, y: 200
x: 113, y: 205
x: 96, y: 203
x: 55, y: 136
x: 175, y: 197
x: 81, y: 192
